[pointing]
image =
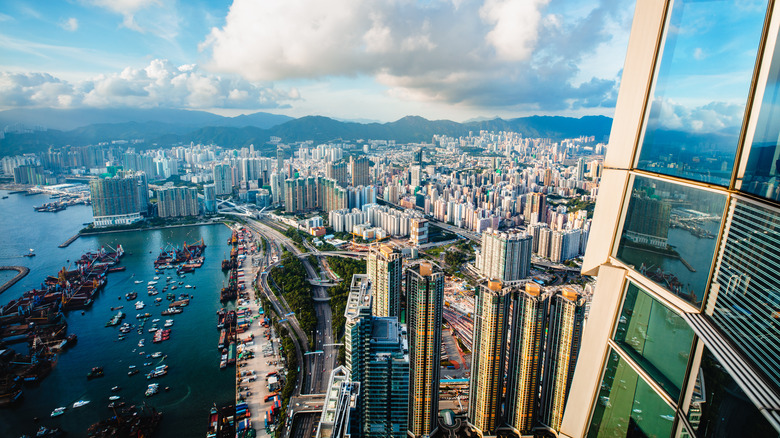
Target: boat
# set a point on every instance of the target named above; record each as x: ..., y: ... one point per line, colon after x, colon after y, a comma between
x: 116, y: 388
x: 138, y: 281
x: 139, y: 305
x: 213, y: 422
x: 132, y: 372
x: 114, y: 397
x: 156, y: 354
x: 58, y: 411
x: 30, y: 254
x: 130, y: 296
x: 152, y: 389
x: 95, y: 372
x: 80, y: 403
x: 151, y: 283
x: 141, y: 343
x: 188, y: 287
x: 168, y: 323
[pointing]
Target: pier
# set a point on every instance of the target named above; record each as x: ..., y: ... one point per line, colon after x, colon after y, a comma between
x: 22, y: 271
x: 69, y: 241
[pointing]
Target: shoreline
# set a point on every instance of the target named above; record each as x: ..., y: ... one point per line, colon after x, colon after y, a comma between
x: 22, y: 272
x: 159, y: 227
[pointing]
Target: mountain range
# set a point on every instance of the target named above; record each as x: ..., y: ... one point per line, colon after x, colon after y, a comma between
x: 34, y: 130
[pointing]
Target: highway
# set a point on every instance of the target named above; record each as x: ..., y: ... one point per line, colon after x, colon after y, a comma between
x: 317, y: 366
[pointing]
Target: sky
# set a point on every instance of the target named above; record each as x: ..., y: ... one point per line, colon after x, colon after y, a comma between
x: 347, y: 59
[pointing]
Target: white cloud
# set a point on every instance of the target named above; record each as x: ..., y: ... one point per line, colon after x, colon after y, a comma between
x: 515, y: 26
x: 160, y: 84
x: 489, y: 53
x: 126, y: 8
x: 71, y: 24
x: 709, y: 118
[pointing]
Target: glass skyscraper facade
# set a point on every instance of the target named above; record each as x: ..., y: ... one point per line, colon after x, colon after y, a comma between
x: 682, y: 337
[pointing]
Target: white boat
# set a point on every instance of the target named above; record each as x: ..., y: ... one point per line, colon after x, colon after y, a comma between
x: 152, y: 389
x: 156, y: 354
x: 156, y: 320
x: 138, y: 281
x: 80, y: 403
x: 58, y: 411
x: 168, y: 323
x: 139, y: 305
x: 151, y: 283
x: 188, y: 286
x: 114, y: 397
x: 141, y: 343
x: 156, y: 278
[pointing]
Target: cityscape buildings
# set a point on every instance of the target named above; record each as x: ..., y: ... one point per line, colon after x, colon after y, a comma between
x: 425, y: 295
x: 177, y: 202
x: 505, y: 256
x: 117, y: 200
x: 383, y: 266
x: 378, y: 361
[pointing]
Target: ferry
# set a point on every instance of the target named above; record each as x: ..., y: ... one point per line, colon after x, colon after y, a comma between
x: 80, y: 403
x: 152, y: 389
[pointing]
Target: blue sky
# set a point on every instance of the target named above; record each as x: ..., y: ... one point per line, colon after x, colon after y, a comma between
x: 349, y: 59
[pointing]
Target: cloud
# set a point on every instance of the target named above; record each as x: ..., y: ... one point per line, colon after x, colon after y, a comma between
x: 157, y: 17
x: 160, y: 84
x: 71, y: 24
x: 510, y: 54
x: 709, y: 118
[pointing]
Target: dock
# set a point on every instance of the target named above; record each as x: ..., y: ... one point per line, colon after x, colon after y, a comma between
x: 22, y: 271
x: 69, y: 241
x: 266, y: 362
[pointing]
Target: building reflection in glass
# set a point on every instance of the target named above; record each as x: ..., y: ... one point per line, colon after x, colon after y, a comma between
x: 669, y: 235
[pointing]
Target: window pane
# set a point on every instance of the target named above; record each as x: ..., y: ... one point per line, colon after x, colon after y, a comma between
x: 719, y: 408
x: 701, y: 87
x: 658, y: 339
x: 627, y: 406
x: 669, y: 235
x: 763, y: 167
x: 748, y: 306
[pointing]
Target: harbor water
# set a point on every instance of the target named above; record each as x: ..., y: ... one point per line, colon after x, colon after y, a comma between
x: 194, y: 377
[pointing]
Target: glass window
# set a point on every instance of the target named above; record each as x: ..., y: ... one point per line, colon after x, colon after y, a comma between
x: 669, y: 235
x: 627, y: 406
x: 658, y: 339
x: 701, y: 87
x: 719, y: 408
x: 747, y: 309
x: 763, y: 166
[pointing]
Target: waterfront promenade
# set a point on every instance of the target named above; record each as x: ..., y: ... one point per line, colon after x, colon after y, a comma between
x: 253, y: 388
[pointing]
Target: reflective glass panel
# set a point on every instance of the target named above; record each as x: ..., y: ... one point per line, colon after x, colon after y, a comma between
x: 627, y: 406
x: 719, y: 408
x: 669, y: 235
x: 701, y: 87
x: 763, y: 167
x: 658, y: 339
x: 747, y: 309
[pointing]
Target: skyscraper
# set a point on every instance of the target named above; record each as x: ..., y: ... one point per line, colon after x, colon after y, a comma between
x: 425, y: 295
x: 524, y: 360
x: 337, y: 171
x: 116, y: 201
x: 491, y: 315
x: 564, y: 326
x: 376, y: 355
x: 223, y: 179
x: 177, y: 202
x: 682, y: 335
x: 359, y: 169
x: 505, y: 256
x: 210, y: 198
x: 383, y: 267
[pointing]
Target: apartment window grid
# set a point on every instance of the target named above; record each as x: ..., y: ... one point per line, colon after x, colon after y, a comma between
x: 735, y: 194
